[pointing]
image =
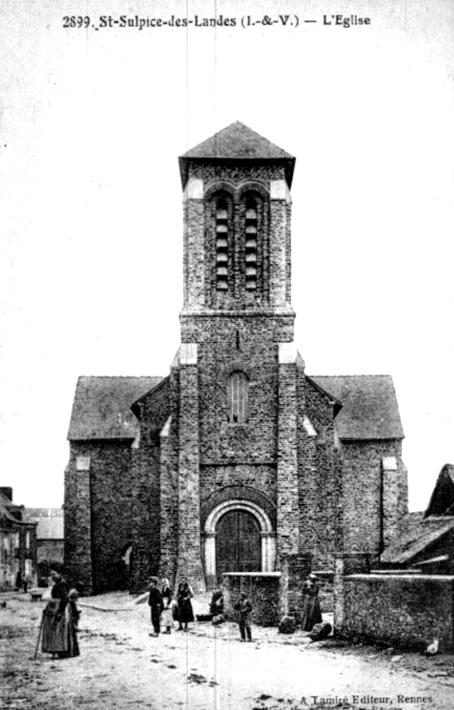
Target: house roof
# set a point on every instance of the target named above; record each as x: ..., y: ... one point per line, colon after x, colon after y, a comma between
x: 237, y: 142
x: 416, y: 536
x: 442, y: 500
x: 10, y: 511
x: 369, y: 406
x: 50, y: 522
x: 101, y: 408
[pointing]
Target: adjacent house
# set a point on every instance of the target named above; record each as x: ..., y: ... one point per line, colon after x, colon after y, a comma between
x: 18, y: 558
x: 426, y: 542
x: 49, y: 539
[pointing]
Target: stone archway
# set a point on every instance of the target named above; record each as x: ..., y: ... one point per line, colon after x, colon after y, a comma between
x: 265, y: 531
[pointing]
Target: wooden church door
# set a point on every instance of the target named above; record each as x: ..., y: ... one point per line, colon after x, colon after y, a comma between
x: 238, y: 543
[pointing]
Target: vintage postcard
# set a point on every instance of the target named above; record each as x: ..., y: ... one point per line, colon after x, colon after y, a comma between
x: 226, y: 354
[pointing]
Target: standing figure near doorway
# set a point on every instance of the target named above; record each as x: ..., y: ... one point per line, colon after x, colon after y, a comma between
x: 311, y: 606
x: 244, y: 609
x: 184, y: 612
x: 155, y: 604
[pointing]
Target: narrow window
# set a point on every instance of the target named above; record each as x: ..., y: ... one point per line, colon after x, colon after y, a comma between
x: 238, y: 397
x: 222, y: 244
x: 251, y: 245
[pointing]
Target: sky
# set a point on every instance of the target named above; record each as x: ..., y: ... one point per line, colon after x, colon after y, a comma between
x: 93, y: 120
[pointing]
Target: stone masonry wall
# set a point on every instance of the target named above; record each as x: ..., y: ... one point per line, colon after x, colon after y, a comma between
x: 189, y: 541
x: 111, y: 512
x: 287, y: 452
x: 263, y: 593
x: 77, y: 520
x: 169, y: 485
x: 404, y: 611
x: 98, y: 514
x: 261, y: 477
x: 221, y: 327
x: 320, y: 477
x: 146, y: 488
x: 363, y: 493
x: 253, y: 442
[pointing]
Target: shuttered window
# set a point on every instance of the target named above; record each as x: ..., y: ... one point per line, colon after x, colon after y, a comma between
x: 251, y: 223
x: 222, y: 244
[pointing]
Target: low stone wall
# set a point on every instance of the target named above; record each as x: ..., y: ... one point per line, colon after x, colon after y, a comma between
x: 262, y: 589
x: 406, y: 611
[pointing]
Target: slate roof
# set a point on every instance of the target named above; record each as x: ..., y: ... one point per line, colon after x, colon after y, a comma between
x: 442, y: 500
x: 101, y: 408
x: 417, y: 535
x: 50, y: 522
x: 237, y: 142
x: 369, y: 408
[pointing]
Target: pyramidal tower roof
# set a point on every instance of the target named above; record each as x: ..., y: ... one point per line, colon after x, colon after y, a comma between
x: 236, y: 143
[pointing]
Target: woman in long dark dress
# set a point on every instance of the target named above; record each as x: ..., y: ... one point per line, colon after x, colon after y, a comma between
x: 312, y: 613
x: 59, y: 629
x: 184, y: 610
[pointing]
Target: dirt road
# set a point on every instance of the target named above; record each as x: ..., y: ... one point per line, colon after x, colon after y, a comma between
x: 121, y: 666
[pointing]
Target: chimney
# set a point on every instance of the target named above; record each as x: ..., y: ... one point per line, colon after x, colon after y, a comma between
x: 7, y: 492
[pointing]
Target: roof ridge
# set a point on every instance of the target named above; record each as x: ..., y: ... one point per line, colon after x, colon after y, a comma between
x: 383, y: 374
x: 123, y: 377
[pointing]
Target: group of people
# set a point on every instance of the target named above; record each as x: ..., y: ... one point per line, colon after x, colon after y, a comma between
x: 165, y: 609
x: 61, y: 616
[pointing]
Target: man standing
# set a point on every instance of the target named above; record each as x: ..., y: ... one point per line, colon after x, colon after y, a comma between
x: 155, y: 604
x: 244, y: 607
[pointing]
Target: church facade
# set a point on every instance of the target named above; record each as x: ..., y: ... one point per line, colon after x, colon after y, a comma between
x: 237, y: 460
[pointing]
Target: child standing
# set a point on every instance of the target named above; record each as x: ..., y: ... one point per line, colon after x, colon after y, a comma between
x: 73, y: 596
x: 155, y: 604
x: 244, y: 607
x: 166, y: 616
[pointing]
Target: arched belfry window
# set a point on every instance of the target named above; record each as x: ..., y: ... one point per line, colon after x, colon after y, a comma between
x: 250, y: 251
x: 222, y: 244
x: 238, y: 391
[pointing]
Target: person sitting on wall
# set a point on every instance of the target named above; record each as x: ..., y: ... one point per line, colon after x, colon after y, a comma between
x: 311, y: 613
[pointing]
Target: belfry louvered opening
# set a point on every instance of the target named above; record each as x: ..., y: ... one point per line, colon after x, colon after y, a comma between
x: 222, y: 244
x: 251, y: 236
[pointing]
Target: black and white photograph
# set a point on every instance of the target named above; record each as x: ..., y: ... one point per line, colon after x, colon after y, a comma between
x: 226, y: 355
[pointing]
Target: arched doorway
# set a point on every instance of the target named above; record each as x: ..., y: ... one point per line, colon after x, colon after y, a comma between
x: 253, y: 543
x: 238, y: 543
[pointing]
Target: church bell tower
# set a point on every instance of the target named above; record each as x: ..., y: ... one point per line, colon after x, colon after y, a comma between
x: 237, y: 365
x: 237, y: 212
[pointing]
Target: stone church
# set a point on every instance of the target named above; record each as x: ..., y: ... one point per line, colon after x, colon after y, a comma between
x: 237, y: 460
